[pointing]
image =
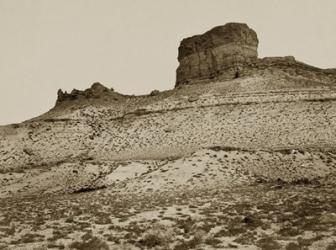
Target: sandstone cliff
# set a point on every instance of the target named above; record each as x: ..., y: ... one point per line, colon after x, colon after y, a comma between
x: 230, y: 51
x: 224, y: 50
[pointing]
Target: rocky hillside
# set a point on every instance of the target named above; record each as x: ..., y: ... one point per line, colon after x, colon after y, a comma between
x: 249, y: 113
x: 233, y: 121
x: 280, y: 104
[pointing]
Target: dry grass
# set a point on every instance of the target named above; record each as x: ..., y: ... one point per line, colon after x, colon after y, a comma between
x: 268, y: 218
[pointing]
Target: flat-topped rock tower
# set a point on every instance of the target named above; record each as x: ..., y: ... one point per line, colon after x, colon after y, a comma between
x: 231, y: 51
x: 223, y: 50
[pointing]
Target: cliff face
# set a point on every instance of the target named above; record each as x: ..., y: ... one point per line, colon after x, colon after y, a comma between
x: 230, y: 51
x: 224, y: 50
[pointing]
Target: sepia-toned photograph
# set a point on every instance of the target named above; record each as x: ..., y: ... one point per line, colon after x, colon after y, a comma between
x: 167, y: 124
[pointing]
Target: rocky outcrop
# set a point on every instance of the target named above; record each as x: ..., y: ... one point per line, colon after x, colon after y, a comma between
x: 97, y: 90
x: 291, y: 67
x: 224, y: 50
x: 223, y: 53
x: 230, y: 51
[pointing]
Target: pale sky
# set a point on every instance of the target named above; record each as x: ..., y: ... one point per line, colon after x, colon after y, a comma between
x: 131, y: 45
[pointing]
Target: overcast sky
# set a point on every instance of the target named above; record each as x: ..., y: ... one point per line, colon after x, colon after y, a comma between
x: 131, y: 45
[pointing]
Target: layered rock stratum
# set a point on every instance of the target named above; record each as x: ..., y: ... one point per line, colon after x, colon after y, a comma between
x: 223, y: 50
x: 237, y: 135
x: 231, y: 51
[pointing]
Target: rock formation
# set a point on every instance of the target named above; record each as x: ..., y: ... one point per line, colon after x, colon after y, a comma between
x: 230, y: 51
x: 97, y: 90
x: 224, y: 50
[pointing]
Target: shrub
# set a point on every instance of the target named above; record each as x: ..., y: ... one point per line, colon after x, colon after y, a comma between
x: 92, y: 243
x: 158, y: 235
